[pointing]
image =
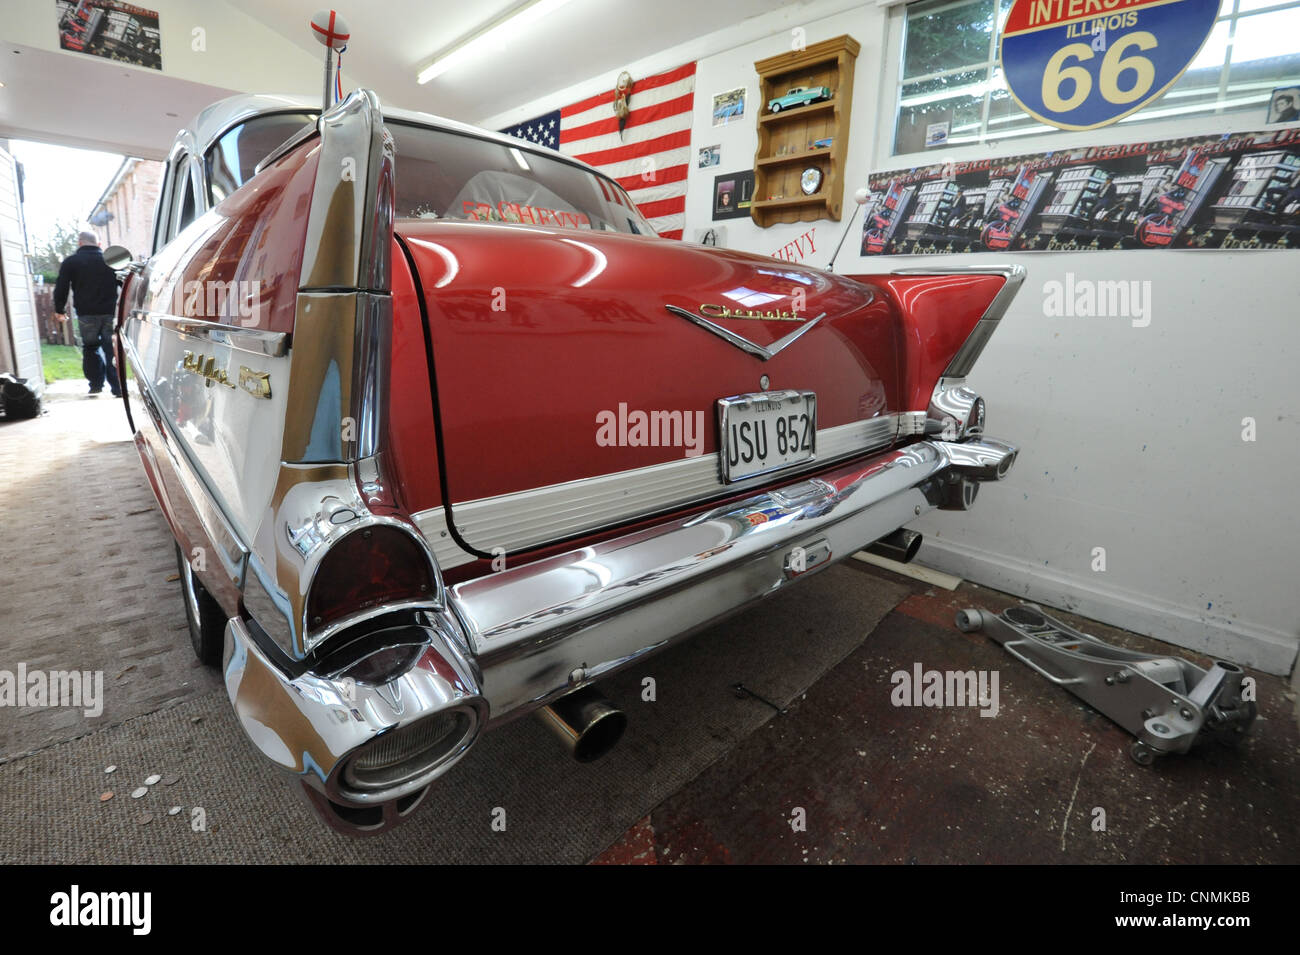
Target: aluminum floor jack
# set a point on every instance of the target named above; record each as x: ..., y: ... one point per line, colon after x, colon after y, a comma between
x: 1166, y: 702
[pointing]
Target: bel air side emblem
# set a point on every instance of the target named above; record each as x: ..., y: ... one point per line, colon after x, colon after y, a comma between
x: 763, y: 352
x: 205, y: 366
x: 256, y: 383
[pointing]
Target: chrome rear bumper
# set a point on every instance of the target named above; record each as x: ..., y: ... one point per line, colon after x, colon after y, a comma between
x: 517, y: 639
x: 539, y: 630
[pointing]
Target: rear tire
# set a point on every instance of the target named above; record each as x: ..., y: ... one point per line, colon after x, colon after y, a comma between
x: 204, y: 615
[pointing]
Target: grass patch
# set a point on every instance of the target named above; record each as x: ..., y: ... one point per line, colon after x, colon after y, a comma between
x: 60, y: 362
x: 63, y: 362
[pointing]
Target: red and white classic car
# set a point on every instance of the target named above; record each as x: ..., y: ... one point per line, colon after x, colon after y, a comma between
x: 446, y: 434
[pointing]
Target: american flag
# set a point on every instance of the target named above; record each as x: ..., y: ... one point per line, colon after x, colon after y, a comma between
x: 651, y: 158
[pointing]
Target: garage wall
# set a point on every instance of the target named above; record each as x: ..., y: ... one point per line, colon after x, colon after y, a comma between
x: 1132, y: 436
x: 22, y: 354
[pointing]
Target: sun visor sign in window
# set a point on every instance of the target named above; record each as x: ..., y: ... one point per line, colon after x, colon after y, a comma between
x: 504, y: 197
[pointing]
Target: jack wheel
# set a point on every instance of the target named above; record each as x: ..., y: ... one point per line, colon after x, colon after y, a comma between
x: 1142, y: 754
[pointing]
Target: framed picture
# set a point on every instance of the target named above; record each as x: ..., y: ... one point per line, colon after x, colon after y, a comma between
x: 112, y: 30
x: 710, y: 156
x: 936, y: 134
x: 715, y: 236
x: 1284, y: 105
x: 728, y: 106
x: 732, y: 194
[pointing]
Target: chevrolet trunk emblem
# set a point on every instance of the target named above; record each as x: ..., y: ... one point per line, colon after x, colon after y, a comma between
x: 744, y: 344
x: 771, y: 315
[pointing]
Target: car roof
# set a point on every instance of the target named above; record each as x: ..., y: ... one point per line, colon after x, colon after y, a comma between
x: 216, y: 120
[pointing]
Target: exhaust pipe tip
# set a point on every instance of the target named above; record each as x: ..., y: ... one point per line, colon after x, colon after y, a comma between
x: 900, y: 546
x: 586, y: 722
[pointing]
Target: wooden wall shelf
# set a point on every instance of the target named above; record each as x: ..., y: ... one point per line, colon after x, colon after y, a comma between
x: 777, y: 196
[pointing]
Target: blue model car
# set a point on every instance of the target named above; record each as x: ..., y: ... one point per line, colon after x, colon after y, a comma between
x: 799, y: 96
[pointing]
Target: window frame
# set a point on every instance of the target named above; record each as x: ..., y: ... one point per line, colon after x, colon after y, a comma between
x: 1140, y: 124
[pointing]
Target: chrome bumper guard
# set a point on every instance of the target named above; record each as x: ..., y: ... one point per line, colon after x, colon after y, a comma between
x: 358, y: 744
x: 538, y: 631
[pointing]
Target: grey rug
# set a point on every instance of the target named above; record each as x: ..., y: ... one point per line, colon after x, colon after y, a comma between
x: 555, y: 810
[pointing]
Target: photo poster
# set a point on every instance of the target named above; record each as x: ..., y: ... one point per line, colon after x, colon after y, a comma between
x: 112, y: 30
x: 728, y: 106
x: 1229, y: 191
x: 733, y: 192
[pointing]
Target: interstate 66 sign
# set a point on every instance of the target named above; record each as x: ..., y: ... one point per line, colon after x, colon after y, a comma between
x: 1080, y: 64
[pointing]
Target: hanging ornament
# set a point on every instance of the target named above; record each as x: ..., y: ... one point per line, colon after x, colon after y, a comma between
x: 622, y: 95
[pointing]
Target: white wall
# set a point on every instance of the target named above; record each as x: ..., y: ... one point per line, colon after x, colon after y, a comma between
x: 18, y: 308
x: 1131, y: 436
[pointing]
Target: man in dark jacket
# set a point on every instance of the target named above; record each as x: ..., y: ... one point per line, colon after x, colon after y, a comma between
x: 94, y: 289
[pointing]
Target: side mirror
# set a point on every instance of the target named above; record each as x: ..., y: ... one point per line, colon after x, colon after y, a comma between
x: 116, y: 257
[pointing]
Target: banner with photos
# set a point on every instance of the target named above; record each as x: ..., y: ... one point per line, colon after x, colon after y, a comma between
x: 1231, y: 191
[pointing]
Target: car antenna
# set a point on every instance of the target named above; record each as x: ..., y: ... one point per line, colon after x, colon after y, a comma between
x: 860, y: 197
x: 331, y: 30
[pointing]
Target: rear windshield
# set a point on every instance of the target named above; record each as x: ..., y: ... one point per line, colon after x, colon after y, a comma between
x: 445, y: 175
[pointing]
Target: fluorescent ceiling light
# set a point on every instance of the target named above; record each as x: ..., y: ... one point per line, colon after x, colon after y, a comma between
x: 493, y: 37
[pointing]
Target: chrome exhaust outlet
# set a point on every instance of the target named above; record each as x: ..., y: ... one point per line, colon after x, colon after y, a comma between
x: 900, y: 546
x: 588, y: 723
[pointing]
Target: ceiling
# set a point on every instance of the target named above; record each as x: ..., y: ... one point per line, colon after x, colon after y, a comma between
x: 582, y: 39
x: 72, y: 100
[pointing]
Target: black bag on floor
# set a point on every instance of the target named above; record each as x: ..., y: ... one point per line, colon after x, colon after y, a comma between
x: 16, y: 399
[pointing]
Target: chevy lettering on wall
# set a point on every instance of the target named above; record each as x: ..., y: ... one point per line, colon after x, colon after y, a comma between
x: 1080, y: 64
x: 1230, y: 191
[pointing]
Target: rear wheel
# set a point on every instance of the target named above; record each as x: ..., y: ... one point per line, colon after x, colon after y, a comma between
x: 203, y: 613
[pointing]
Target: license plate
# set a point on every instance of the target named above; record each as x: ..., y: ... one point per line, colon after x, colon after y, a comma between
x: 766, y: 432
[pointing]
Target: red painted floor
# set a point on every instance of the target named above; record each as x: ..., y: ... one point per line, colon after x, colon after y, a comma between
x: 848, y: 777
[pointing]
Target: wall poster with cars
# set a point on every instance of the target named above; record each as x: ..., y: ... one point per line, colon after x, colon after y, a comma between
x: 112, y: 30
x: 1229, y: 191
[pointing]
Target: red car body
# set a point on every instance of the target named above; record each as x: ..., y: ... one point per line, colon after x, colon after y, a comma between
x: 381, y: 449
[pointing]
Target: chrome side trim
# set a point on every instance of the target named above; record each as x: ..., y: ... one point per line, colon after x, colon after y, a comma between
x: 541, y: 515
x: 744, y: 344
x: 964, y: 360
x: 252, y: 340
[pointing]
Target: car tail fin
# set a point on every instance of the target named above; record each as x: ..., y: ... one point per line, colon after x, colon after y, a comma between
x: 945, y: 318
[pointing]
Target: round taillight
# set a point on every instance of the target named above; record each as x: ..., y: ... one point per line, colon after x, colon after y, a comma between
x: 369, y: 568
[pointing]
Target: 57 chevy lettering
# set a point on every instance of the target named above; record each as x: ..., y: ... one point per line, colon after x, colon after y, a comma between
x: 351, y: 515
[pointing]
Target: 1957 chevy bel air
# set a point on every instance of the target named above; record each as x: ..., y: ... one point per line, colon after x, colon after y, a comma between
x: 446, y: 435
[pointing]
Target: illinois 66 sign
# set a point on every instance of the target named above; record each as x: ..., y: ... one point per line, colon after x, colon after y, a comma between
x: 1080, y: 64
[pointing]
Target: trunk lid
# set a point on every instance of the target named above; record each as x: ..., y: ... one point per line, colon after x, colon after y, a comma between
x: 547, y: 343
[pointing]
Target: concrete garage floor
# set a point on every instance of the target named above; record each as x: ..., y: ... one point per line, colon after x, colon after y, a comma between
x: 702, y: 777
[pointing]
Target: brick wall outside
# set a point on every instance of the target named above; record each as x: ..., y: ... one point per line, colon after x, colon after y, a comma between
x: 132, y: 205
